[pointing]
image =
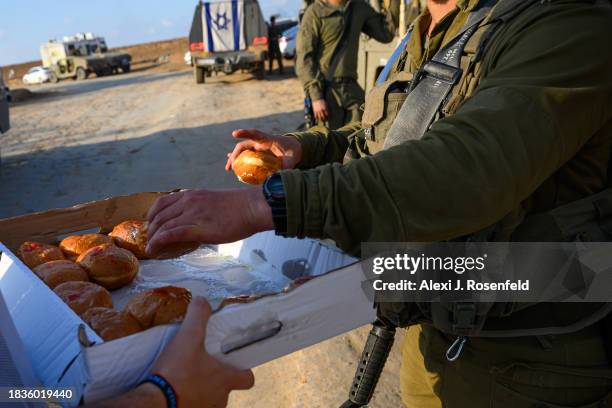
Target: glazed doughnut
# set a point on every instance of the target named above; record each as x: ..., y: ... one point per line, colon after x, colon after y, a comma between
x: 55, y: 273
x: 111, y: 324
x: 75, y: 245
x: 253, y: 167
x: 35, y: 253
x: 131, y: 235
x: 157, y: 306
x: 109, y: 266
x: 82, y: 296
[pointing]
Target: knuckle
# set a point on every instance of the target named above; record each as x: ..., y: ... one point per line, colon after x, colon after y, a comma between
x: 153, y: 226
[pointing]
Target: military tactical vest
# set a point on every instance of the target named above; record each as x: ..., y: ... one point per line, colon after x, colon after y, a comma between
x: 457, y: 67
x: 402, y: 107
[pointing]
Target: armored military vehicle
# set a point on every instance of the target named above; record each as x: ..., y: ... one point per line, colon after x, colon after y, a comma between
x: 81, y: 55
x: 227, y: 36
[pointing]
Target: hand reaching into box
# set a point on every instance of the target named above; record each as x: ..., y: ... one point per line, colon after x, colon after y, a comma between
x: 206, y: 216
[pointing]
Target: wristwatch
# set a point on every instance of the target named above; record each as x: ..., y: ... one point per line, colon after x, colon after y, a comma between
x: 274, y: 193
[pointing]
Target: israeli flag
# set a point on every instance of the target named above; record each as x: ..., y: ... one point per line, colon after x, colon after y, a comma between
x: 223, y: 26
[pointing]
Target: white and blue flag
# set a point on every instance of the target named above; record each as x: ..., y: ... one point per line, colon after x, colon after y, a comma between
x: 223, y: 26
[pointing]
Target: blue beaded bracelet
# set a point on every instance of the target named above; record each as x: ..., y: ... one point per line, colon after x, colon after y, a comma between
x: 165, y: 387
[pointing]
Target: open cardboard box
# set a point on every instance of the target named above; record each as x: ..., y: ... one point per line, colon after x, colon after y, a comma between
x: 64, y: 351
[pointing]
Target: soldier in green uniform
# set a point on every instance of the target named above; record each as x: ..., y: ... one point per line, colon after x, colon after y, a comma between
x: 526, y: 127
x: 274, y: 52
x: 327, y: 45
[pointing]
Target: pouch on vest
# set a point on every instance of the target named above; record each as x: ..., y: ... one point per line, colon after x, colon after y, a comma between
x: 382, y: 105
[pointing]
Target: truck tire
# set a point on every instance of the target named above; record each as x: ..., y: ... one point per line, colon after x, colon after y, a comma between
x: 199, y: 74
x: 126, y: 68
x: 260, y: 71
x: 81, y: 74
x: 53, y: 79
x: 103, y: 72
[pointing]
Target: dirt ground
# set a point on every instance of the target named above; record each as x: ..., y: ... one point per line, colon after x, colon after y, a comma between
x: 154, y: 131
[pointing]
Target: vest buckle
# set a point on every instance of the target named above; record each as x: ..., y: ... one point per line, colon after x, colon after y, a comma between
x: 443, y: 72
x: 464, y: 317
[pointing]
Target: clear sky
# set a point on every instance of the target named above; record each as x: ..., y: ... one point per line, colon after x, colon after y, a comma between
x: 25, y: 24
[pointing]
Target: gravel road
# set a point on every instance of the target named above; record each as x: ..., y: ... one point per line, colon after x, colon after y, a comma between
x: 80, y: 141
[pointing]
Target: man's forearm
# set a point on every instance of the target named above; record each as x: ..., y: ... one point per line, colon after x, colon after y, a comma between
x: 307, y: 64
x: 380, y: 26
x: 312, y: 87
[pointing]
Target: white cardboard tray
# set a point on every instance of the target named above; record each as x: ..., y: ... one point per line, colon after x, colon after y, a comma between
x: 242, y: 335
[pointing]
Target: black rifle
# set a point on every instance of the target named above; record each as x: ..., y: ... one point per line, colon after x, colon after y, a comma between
x: 373, y: 358
x: 309, y: 119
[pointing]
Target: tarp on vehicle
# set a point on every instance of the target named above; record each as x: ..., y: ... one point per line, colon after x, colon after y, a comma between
x: 229, y: 25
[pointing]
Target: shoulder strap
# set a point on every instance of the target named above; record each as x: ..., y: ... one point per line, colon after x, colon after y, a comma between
x: 384, y: 74
x: 342, y: 44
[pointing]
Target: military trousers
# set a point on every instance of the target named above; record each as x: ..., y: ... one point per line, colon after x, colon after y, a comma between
x: 570, y: 370
x: 344, y: 98
x: 274, y: 53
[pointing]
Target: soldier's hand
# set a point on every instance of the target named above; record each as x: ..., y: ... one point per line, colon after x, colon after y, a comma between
x: 319, y: 108
x: 206, y: 216
x: 285, y: 147
x: 198, y: 379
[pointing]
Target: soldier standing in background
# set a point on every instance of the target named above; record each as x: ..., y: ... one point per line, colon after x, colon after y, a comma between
x: 327, y: 46
x: 273, y: 47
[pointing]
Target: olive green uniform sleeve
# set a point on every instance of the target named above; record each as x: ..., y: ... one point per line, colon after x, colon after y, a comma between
x: 379, y: 26
x: 321, y: 145
x: 543, y: 95
x: 307, y: 51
